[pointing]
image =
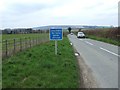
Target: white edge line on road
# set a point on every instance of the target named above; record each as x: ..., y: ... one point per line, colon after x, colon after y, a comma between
x: 88, y: 43
x: 109, y: 51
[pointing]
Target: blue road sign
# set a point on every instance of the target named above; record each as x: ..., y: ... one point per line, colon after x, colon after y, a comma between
x: 56, y: 34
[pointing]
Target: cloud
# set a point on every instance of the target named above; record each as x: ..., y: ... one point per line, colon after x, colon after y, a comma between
x: 29, y: 13
x: 24, y: 8
x: 27, y: 8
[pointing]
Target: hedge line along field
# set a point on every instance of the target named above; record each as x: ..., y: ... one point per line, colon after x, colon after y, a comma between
x: 109, y: 35
x: 39, y: 67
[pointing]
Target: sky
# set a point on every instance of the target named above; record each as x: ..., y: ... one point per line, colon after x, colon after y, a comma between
x: 34, y: 13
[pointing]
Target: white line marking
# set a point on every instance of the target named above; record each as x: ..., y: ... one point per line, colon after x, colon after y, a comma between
x: 109, y: 51
x: 80, y: 39
x: 88, y: 43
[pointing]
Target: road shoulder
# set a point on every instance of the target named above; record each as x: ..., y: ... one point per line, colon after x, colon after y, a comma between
x: 87, y: 79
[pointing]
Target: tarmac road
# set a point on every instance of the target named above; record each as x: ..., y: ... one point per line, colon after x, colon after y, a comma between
x: 101, y: 58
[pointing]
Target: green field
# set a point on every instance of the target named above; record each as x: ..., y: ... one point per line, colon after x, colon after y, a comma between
x: 12, y: 36
x: 39, y: 67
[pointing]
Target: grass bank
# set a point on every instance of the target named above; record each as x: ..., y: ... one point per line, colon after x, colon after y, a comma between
x: 39, y: 67
x: 108, y: 35
x: 107, y: 40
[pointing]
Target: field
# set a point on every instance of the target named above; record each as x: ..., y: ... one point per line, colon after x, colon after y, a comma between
x: 39, y: 67
x: 13, y: 36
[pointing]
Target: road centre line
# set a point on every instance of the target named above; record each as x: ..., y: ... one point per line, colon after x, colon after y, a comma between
x: 80, y: 39
x: 88, y: 43
x: 103, y: 49
x: 110, y: 52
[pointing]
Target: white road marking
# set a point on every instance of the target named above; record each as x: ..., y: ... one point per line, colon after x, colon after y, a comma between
x: 88, y: 43
x: 80, y: 39
x: 109, y: 52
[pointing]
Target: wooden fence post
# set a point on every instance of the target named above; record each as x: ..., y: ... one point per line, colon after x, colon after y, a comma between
x: 40, y: 39
x: 30, y: 42
x: 36, y: 41
x: 6, y: 47
x: 33, y: 41
x: 14, y: 45
x: 25, y: 43
x: 20, y: 44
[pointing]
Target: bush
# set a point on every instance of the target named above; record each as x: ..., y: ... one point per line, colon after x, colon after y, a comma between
x: 111, y: 33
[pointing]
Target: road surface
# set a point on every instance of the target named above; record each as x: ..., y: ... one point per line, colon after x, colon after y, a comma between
x: 101, y: 58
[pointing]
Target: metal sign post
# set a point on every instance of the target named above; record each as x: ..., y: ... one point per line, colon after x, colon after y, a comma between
x: 56, y: 34
x: 55, y: 47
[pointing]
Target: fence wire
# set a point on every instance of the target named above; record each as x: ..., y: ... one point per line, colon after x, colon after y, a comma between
x: 12, y: 46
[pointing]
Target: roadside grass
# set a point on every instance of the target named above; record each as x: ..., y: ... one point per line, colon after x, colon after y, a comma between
x: 108, y: 35
x: 107, y: 40
x: 39, y: 67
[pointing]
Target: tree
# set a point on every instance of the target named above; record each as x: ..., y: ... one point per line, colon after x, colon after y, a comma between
x: 79, y: 30
x: 69, y: 29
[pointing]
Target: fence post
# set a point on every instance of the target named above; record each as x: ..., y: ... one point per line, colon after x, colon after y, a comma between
x: 25, y: 43
x: 33, y: 41
x: 14, y: 45
x: 36, y: 40
x: 40, y: 39
x: 30, y: 42
x: 20, y: 44
x: 6, y: 47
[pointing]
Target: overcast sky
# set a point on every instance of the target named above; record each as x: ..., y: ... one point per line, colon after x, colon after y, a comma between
x: 32, y: 13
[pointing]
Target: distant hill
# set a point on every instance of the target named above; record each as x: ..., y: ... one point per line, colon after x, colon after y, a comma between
x: 66, y: 27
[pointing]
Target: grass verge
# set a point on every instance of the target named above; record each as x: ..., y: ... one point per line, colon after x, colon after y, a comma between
x: 39, y: 67
x: 107, y: 40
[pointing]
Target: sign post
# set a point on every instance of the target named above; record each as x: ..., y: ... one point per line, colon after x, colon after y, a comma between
x: 55, y: 47
x: 56, y: 34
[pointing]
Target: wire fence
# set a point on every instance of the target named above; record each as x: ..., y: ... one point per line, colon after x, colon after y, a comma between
x: 12, y: 46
